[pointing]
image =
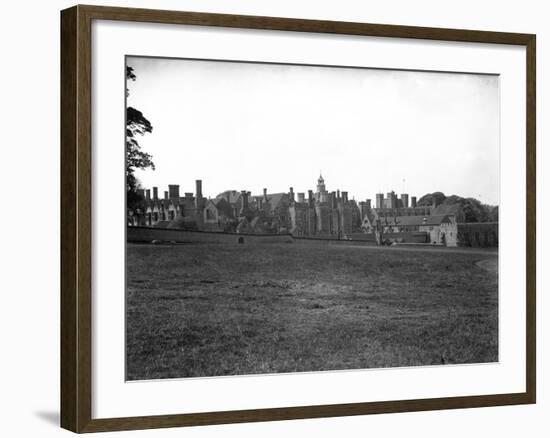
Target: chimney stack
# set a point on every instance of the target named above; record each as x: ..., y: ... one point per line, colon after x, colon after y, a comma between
x: 333, y: 200
x: 301, y: 197
x: 291, y: 194
x: 200, y: 202
x: 198, y: 188
x: 174, y: 191
x: 368, y: 204
x: 379, y: 200
x: 155, y: 193
x: 165, y: 194
x: 345, y: 196
x: 413, y: 201
x: 265, y: 194
x: 310, y: 196
x: 148, y: 194
x: 405, y: 200
x: 244, y: 195
x: 392, y: 200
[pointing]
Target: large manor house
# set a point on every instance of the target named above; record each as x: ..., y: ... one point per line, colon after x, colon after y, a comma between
x: 319, y: 214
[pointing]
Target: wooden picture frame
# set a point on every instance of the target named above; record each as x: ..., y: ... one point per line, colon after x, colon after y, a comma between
x: 76, y: 218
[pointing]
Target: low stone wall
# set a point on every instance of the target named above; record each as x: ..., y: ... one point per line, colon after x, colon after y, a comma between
x: 149, y: 234
x: 333, y: 241
x: 406, y: 237
x: 368, y: 238
x: 323, y: 238
x: 478, y: 234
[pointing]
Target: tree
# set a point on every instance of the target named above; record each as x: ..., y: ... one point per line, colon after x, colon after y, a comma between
x: 493, y: 213
x: 429, y: 199
x: 473, y: 209
x: 136, y: 124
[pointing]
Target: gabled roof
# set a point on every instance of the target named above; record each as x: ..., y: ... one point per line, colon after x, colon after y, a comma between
x: 162, y: 202
x: 257, y: 198
x: 447, y: 209
x: 275, y: 199
x: 223, y: 207
x: 231, y: 195
x: 436, y: 219
x: 211, y: 202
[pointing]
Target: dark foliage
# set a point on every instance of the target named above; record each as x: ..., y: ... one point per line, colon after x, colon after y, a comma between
x: 493, y: 215
x: 474, y: 210
x: 136, y: 124
x: 428, y: 199
x: 130, y: 75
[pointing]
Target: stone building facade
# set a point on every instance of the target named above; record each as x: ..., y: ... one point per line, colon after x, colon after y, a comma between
x: 440, y: 229
x: 320, y: 213
x: 323, y: 213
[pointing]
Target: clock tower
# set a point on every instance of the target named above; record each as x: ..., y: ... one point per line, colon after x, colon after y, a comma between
x: 321, y: 190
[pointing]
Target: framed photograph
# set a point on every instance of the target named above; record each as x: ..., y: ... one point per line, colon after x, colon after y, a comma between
x: 270, y: 218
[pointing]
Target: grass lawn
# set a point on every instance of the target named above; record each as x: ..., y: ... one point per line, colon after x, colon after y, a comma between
x: 215, y: 309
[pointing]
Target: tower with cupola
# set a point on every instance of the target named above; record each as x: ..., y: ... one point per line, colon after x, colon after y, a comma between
x: 322, y: 194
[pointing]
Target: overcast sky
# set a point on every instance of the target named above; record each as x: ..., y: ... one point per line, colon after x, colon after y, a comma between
x: 249, y: 126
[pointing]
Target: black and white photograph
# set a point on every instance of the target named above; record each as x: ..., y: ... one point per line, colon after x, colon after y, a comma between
x: 275, y: 219
x: 287, y: 218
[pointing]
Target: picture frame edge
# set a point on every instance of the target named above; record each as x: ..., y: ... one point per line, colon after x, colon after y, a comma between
x: 75, y: 244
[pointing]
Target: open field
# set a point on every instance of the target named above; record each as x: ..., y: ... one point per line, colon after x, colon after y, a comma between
x: 217, y: 309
